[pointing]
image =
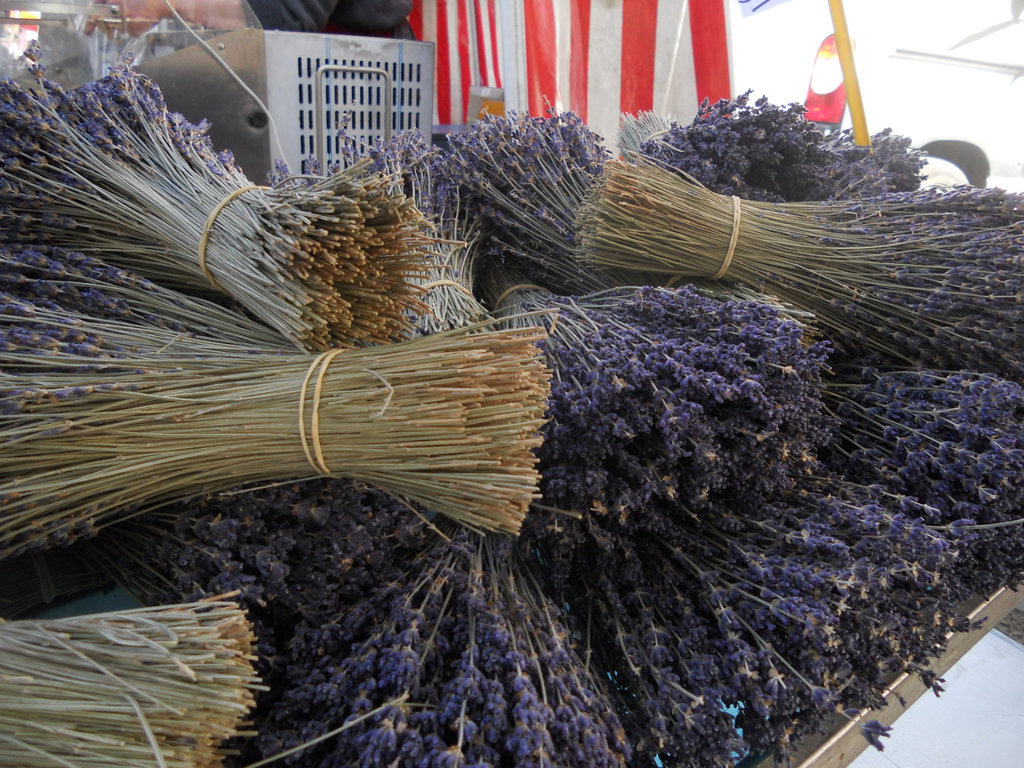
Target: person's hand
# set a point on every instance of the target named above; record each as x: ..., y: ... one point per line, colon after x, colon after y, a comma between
x: 133, y: 17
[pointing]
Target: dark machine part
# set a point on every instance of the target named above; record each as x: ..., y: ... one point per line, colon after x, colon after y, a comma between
x: 198, y: 86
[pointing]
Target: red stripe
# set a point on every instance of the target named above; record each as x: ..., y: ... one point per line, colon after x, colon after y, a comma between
x: 492, y: 11
x: 579, y: 57
x: 481, y: 49
x: 416, y: 19
x: 710, y: 50
x: 465, y: 46
x: 444, y: 75
x: 541, y: 55
x: 639, y: 41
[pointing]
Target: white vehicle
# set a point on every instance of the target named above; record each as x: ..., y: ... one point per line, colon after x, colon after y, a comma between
x: 948, y: 74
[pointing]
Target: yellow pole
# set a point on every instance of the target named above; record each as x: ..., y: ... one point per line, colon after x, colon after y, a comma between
x: 844, y: 46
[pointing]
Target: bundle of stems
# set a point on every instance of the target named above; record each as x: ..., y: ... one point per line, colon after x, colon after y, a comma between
x: 158, y: 686
x: 448, y: 420
x: 449, y: 283
x: 636, y: 129
x: 449, y: 288
x: 107, y: 168
x: 912, y: 277
x: 464, y: 634
x: 524, y: 180
x: 74, y: 298
x: 516, y: 303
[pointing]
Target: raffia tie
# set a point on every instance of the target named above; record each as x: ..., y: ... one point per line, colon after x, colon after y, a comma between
x: 311, y: 445
x: 204, y: 241
x: 445, y: 281
x: 520, y: 287
x: 727, y: 261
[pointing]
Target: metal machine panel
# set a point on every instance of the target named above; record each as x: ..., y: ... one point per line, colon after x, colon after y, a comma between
x: 312, y: 86
x: 196, y: 84
x: 368, y: 87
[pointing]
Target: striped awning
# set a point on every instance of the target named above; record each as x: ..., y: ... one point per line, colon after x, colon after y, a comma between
x: 598, y: 58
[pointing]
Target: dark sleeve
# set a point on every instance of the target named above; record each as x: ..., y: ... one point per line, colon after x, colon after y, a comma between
x: 370, y: 15
x: 294, y: 15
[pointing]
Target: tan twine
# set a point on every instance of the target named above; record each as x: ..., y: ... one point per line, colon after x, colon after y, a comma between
x: 311, y: 445
x: 736, y: 215
x: 316, y: 456
x: 445, y: 281
x: 204, y: 241
x: 508, y: 291
x: 729, y: 252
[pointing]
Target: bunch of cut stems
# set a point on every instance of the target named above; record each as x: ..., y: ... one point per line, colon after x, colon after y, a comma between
x: 449, y: 282
x: 449, y: 421
x: 51, y: 288
x: 870, y: 271
x: 160, y: 686
x: 524, y: 180
x: 635, y: 129
x: 325, y: 261
x: 449, y: 290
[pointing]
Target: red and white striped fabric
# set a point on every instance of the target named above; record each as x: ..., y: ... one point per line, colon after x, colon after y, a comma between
x: 467, y: 34
x: 598, y: 58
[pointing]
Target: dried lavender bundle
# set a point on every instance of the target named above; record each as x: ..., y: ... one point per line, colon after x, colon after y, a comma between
x: 465, y: 633
x: 106, y: 168
x: 448, y: 287
x: 64, y: 301
x: 763, y: 151
x: 524, y: 180
x: 154, y: 686
x: 741, y: 631
x: 450, y: 420
x: 951, y: 442
x: 888, y: 165
x: 758, y: 151
x: 665, y: 394
x: 636, y: 129
x: 928, y: 278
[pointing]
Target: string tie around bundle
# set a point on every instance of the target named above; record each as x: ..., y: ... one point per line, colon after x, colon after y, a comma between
x: 437, y: 283
x: 520, y: 287
x: 447, y: 281
x: 311, y: 445
x: 204, y: 241
x: 675, y: 280
x: 727, y: 261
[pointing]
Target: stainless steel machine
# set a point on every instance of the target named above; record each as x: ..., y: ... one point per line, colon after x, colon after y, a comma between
x: 270, y: 96
x: 312, y: 87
